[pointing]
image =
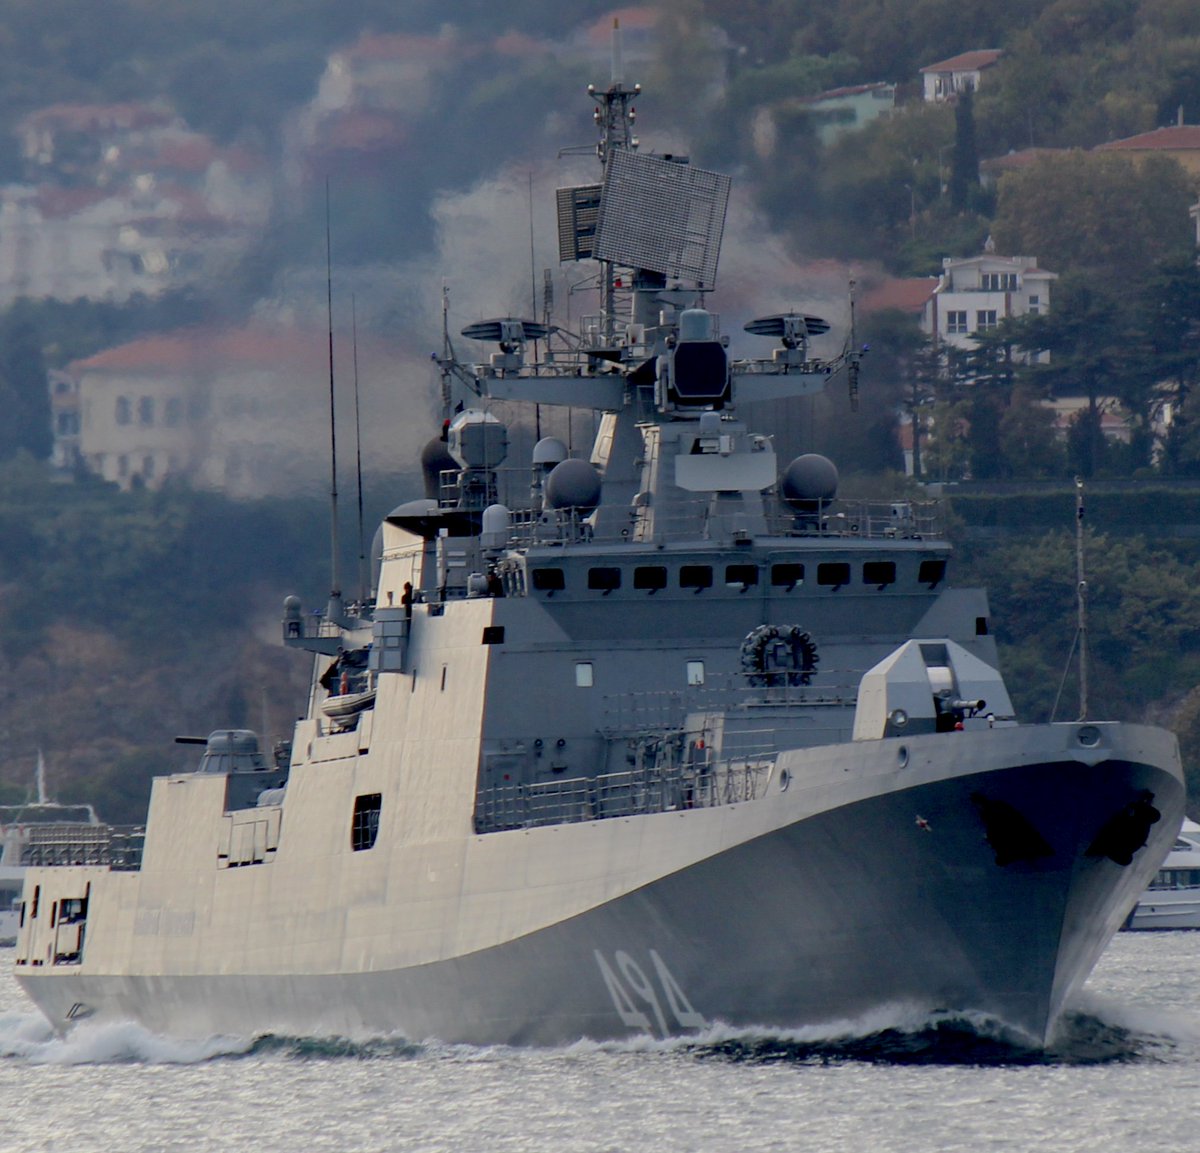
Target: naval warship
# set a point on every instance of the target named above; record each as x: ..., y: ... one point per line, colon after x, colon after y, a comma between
x: 657, y: 739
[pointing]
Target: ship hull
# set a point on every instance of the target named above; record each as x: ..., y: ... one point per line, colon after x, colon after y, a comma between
x: 905, y: 892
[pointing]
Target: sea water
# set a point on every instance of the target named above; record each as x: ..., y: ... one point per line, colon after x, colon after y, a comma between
x: 1123, y: 1076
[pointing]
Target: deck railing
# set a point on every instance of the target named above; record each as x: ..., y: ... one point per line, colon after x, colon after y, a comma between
x: 625, y: 794
x: 117, y: 846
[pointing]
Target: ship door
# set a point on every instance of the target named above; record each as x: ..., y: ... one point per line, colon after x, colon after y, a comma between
x: 69, y: 922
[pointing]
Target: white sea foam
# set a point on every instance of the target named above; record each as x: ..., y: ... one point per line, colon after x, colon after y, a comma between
x: 27, y: 1036
x: 1168, y: 1024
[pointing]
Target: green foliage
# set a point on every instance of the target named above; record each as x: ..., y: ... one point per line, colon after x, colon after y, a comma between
x: 1094, y: 193
x: 1143, y: 621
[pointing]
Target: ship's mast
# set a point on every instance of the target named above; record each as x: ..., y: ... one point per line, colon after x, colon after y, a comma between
x: 614, y: 116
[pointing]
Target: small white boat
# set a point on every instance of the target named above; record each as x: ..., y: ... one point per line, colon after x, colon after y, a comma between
x: 1173, y: 899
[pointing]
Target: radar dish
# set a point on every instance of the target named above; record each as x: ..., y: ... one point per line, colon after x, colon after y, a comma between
x: 506, y: 330
x: 662, y: 216
x: 791, y: 326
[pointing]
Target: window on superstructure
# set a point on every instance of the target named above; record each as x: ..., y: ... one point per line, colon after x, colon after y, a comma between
x: 173, y: 412
x: 584, y: 675
x: 124, y: 410
x: 695, y: 673
x: 146, y: 410
x: 932, y: 572
x: 650, y: 577
x: 604, y: 579
x: 548, y: 580
x: 787, y: 575
x: 364, y: 828
x: 879, y: 572
x: 695, y: 576
x: 833, y: 574
x: 743, y: 575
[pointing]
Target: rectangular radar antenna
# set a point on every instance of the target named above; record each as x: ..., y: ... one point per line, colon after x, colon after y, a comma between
x: 662, y: 216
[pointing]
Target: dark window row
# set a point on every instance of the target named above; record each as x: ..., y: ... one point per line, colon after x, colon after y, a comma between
x: 651, y: 578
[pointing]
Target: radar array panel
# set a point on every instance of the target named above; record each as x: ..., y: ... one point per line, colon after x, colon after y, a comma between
x: 578, y: 211
x: 662, y: 216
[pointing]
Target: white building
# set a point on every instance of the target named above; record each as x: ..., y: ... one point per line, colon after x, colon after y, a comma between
x: 949, y: 78
x: 242, y: 411
x: 976, y: 293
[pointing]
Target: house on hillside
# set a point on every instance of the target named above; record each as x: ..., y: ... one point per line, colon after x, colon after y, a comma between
x: 238, y: 411
x: 833, y: 113
x: 992, y: 169
x: 946, y: 79
x: 1179, y: 142
x: 974, y: 294
x: 119, y: 199
x: 909, y: 295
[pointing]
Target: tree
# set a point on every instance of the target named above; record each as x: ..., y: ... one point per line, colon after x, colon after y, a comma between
x: 964, y: 160
x: 1167, y: 313
x: 24, y: 398
x: 1074, y: 212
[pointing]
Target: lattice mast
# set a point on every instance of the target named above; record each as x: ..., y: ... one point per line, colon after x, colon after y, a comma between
x: 614, y: 115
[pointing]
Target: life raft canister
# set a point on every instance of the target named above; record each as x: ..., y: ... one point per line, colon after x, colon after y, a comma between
x: 776, y: 655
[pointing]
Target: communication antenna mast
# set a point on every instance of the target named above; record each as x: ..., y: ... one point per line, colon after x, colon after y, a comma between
x: 1081, y: 601
x: 1081, y: 589
x: 362, y: 549
x: 335, y: 591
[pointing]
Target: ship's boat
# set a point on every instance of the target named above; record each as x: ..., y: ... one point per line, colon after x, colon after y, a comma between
x: 1173, y: 899
x: 665, y: 736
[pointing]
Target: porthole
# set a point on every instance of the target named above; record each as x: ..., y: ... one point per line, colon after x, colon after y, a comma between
x: 1088, y: 736
x: 902, y: 756
x: 785, y: 779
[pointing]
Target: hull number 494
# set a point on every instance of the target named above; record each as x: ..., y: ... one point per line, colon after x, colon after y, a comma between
x: 657, y: 1006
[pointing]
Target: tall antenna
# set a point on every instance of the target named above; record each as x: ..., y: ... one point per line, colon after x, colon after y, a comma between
x: 362, y: 550
x: 335, y: 591
x: 1081, y: 600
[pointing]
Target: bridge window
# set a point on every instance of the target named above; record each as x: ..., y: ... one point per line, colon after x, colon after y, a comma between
x: 879, y: 572
x: 745, y: 575
x: 833, y: 573
x: 548, y: 580
x: 695, y: 576
x: 651, y: 577
x: 365, y: 826
x: 932, y: 572
x: 787, y: 575
x: 604, y: 579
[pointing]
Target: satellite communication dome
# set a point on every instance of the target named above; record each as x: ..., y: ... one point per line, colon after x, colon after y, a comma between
x: 809, y: 478
x: 573, y: 484
x: 549, y: 451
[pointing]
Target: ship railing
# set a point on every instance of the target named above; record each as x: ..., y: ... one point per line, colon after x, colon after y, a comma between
x: 684, y: 517
x: 740, y: 704
x: 118, y: 847
x: 634, y: 792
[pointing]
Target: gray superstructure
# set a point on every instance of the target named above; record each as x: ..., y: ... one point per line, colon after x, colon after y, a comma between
x: 664, y: 737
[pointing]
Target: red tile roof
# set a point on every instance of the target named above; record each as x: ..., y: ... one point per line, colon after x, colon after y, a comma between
x: 850, y: 90
x: 967, y: 61
x: 1171, y: 139
x: 1021, y: 159
x: 907, y: 295
x: 189, y: 348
